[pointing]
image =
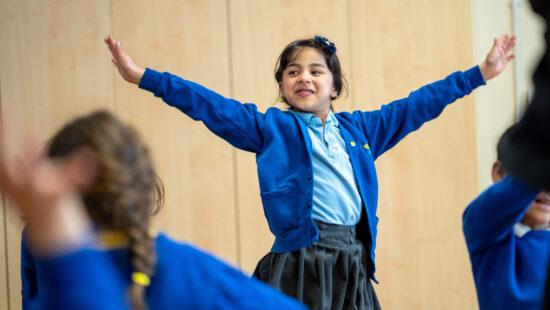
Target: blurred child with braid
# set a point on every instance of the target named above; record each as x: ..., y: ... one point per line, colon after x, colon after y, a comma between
x: 158, y: 272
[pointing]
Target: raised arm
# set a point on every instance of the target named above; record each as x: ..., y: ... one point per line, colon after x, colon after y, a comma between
x: 237, y: 123
x: 386, y: 127
x: 493, y: 214
x: 58, y: 231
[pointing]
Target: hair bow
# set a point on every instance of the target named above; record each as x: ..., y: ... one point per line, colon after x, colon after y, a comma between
x: 327, y: 45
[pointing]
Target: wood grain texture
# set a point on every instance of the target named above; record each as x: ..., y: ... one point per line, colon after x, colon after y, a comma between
x: 429, y: 178
x: 189, y: 39
x: 52, y: 69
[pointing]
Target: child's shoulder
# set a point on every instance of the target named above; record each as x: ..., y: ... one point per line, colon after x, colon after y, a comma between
x: 171, y: 249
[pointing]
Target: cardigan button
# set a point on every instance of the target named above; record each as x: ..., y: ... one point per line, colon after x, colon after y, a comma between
x: 352, y: 143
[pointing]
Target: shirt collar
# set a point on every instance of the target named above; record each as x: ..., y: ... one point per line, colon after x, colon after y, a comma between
x: 312, y: 121
x: 521, y: 229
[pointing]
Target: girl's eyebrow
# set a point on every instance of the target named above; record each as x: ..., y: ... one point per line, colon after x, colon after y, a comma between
x: 315, y: 64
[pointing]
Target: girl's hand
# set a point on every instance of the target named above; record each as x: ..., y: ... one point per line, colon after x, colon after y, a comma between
x: 125, y: 65
x: 45, y: 192
x: 499, y: 56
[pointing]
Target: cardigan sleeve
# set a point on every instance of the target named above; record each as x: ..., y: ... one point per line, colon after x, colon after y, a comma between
x: 237, y: 123
x: 492, y: 215
x: 384, y: 128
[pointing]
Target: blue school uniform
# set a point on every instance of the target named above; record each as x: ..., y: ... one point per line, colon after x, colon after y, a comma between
x: 185, y: 278
x: 83, y: 279
x: 509, y: 265
x: 283, y: 146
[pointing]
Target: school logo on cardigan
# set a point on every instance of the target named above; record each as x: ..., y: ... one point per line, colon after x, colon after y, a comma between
x: 367, y: 147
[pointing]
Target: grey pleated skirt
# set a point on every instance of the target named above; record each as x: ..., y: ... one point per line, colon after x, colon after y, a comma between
x: 328, y: 274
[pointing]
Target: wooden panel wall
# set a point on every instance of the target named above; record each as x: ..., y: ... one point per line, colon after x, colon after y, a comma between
x: 429, y: 178
x: 195, y: 165
x: 55, y: 66
x: 52, y: 68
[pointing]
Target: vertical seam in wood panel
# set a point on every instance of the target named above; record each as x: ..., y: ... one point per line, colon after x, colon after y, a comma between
x: 350, y: 49
x: 113, y: 72
x: 5, y: 218
x: 233, y: 150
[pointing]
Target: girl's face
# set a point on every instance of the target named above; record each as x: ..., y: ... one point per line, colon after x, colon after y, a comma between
x: 538, y: 214
x: 307, y: 83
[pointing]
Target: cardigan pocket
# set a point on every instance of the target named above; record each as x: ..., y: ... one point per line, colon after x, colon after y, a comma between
x: 280, y: 210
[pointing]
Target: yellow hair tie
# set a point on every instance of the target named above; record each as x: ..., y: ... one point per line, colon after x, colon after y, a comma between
x: 141, y: 278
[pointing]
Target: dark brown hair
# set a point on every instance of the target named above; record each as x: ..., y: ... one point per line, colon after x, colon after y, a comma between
x: 500, y: 144
x: 127, y: 191
x: 290, y: 52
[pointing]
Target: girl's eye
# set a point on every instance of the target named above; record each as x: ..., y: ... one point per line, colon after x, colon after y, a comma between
x: 316, y: 72
x: 292, y: 72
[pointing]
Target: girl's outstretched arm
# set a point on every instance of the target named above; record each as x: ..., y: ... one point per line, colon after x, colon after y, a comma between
x: 498, y: 57
x: 386, y: 127
x: 124, y: 63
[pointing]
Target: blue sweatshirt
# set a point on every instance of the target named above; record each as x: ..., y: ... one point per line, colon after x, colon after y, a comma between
x: 283, y: 147
x: 509, y: 271
x: 185, y: 278
x: 84, y: 280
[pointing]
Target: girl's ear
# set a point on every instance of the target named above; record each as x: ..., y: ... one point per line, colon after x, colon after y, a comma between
x: 496, y: 172
x: 334, y: 94
x: 281, y: 94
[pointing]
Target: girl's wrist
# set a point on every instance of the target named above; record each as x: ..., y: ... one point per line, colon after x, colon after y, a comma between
x: 138, y: 75
x: 484, y: 71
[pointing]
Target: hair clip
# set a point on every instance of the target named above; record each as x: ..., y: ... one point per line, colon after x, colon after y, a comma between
x: 141, y: 278
x: 327, y: 45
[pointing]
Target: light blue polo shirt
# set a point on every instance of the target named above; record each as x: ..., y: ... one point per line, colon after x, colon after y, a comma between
x: 336, y: 199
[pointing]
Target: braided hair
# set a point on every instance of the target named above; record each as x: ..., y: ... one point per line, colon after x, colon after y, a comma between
x: 127, y: 191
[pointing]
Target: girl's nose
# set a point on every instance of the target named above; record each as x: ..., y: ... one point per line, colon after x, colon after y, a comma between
x: 305, y: 78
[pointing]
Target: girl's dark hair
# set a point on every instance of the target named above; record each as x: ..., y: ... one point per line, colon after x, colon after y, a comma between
x: 127, y: 191
x: 321, y: 44
x: 500, y: 144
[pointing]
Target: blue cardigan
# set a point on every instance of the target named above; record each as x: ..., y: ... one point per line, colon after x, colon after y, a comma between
x: 283, y: 147
x: 509, y: 272
x: 185, y: 278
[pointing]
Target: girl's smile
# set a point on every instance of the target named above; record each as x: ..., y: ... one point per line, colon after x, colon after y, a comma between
x: 538, y: 214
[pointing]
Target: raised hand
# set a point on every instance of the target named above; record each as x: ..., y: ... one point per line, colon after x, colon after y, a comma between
x: 499, y: 56
x: 45, y: 192
x: 124, y: 63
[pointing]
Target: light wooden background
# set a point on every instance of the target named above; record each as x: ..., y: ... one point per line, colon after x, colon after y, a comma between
x: 54, y: 66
